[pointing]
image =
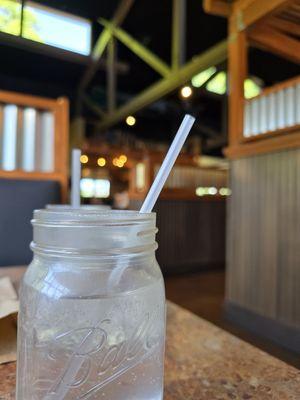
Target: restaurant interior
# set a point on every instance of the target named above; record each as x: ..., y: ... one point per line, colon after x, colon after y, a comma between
x: 114, y: 78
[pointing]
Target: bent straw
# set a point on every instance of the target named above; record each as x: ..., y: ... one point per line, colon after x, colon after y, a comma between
x: 75, y: 175
x: 61, y: 387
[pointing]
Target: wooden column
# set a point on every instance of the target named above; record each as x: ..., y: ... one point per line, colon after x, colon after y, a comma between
x: 238, y: 70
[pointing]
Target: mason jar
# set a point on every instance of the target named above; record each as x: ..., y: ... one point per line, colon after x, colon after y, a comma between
x: 92, y: 308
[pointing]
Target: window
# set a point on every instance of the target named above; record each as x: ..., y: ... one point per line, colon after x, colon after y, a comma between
x: 10, y: 17
x: 199, y: 79
x: 218, y: 83
x: 99, y: 188
x: 46, y: 25
x: 251, y: 88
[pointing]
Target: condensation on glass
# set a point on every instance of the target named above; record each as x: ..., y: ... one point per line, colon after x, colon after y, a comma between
x: 92, y: 309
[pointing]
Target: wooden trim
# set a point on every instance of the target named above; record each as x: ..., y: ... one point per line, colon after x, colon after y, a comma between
x: 26, y: 100
x: 217, y: 7
x: 269, y: 134
x: 238, y: 66
x: 273, y: 329
x: 269, y: 39
x: 60, y: 109
x: 62, y: 143
x: 284, y: 25
x: 265, y: 145
x: 247, y: 12
x: 275, y: 88
x: 20, y: 174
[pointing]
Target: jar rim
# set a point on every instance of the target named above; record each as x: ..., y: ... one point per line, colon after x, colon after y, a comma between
x: 83, y: 216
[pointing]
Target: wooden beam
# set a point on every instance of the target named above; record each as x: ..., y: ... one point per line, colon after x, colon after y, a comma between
x: 237, y: 73
x: 102, y: 42
x: 270, y: 39
x: 283, y: 25
x: 137, y: 48
x: 178, y: 33
x: 213, y: 56
x: 248, y: 12
x: 217, y: 7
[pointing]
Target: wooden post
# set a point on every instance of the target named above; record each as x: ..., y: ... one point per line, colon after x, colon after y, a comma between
x: 62, y: 144
x: 237, y: 67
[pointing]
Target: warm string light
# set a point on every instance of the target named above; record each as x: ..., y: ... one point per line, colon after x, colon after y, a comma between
x: 120, y: 161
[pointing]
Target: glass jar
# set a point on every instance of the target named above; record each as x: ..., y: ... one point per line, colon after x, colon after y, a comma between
x: 92, y: 308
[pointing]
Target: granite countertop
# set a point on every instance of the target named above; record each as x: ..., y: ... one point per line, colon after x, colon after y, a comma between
x: 205, y: 363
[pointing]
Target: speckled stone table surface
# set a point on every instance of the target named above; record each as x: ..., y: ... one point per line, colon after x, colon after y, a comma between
x: 204, y: 362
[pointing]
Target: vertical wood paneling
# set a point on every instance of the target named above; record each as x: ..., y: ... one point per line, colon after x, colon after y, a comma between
x: 263, y: 235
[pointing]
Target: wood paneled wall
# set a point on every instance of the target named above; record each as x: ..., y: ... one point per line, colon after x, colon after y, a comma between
x: 191, y: 233
x: 263, y: 238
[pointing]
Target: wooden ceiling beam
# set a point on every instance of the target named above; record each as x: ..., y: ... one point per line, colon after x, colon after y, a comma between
x: 217, y: 7
x: 284, y: 25
x: 270, y: 39
x: 248, y: 12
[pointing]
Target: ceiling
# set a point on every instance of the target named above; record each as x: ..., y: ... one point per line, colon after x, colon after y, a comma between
x: 150, y: 23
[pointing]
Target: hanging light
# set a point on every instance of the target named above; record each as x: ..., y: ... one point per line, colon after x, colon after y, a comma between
x: 186, y: 92
x: 130, y: 120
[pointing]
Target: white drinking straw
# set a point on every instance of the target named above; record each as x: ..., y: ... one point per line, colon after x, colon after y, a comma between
x: 157, y: 185
x: 61, y: 387
x: 75, y: 178
x: 168, y: 163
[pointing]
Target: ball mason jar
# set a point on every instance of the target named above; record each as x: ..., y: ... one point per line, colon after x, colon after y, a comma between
x: 92, y: 308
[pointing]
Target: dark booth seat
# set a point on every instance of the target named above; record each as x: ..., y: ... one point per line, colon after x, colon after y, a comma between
x: 18, y: 199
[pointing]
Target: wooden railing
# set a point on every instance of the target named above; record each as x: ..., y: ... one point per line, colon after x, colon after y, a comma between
x: 34, y: 135
x: 270, y: 121
x: 275, y: 110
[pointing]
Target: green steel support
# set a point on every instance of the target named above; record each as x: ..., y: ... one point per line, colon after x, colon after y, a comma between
x: 103, y: 41
x: 178, y: 33
x: 137, y: 48
x: 175, y: 79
